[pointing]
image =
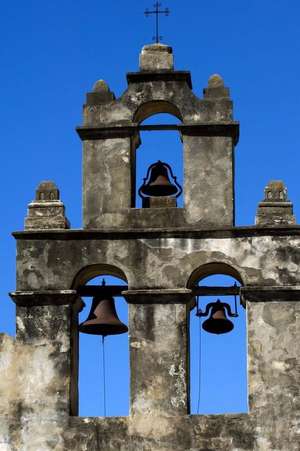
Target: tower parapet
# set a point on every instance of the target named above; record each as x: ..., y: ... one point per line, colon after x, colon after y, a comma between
x: 110, y: 135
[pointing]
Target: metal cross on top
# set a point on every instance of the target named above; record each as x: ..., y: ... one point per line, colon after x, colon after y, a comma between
x: 157, y: 12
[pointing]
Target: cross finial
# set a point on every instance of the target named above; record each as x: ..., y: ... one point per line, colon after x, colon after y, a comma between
x: 157, y: 11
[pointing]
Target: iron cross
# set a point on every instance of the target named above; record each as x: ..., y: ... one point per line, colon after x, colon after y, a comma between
x: 157, y: 12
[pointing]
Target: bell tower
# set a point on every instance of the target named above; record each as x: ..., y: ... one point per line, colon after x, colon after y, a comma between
x: 161, y: 251
x: 110, y: 136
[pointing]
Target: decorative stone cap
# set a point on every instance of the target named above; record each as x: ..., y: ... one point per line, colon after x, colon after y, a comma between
x: 156, y: 57
x: 101, y: 94
x: 46, y: 211
x: 47, y: 191
x: 276, y: 191
x: 275, y: 208
x: 216, y: 87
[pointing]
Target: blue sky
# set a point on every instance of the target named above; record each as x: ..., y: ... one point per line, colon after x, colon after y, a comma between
x: 51, y: 54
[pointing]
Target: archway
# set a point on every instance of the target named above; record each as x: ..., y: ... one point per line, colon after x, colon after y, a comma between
x: 103, y: 377
x: 159, y: 144
x: 218, y: 362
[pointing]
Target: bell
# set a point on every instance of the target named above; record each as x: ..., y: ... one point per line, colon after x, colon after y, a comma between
x: 103, y: 318
x: 217, y: 323
x: 157, y: 182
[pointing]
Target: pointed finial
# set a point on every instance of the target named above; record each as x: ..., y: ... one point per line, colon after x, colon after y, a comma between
x: 216, y: 88
x: 215, y: 81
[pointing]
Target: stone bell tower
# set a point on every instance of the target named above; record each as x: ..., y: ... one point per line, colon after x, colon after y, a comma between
x: 162, y: 252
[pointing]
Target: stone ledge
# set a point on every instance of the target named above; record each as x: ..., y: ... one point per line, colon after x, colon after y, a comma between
x: 127, y: 233
x: 289, y: 293
x: 210, y: 129
x: 161, y: 75
x: 183, y: 432
x: 45, y: 297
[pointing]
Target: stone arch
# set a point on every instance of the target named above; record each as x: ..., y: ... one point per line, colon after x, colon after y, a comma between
x: 85, y: 345
x: 153, y: 107
x: 89, y: 272
x: 204, y: 345
x: 213, y: 268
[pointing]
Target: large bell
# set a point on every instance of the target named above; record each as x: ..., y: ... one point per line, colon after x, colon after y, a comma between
x: 218, y: 323
x: 157, y: 182
x: 103, y: 318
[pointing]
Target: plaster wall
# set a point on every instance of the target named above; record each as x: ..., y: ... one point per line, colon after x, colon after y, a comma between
x: 106, y: 179
x: 208, y: 175
x: 155, y: 262
x: 158, y: 270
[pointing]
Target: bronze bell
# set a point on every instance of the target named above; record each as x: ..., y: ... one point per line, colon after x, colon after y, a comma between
x: 218, y: 323
x: 157, y: 182
x: 103, y: 318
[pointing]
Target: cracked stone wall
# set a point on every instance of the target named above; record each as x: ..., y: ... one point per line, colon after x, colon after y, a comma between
x: 161, y: 261
x: 274, y: 371
x: 159, y: 360
x: 158, y: 271
x: 35, y: 387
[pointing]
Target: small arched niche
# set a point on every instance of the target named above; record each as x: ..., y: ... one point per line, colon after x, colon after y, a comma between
x: 103, y: 378
x: 218, y: 362
x: 159, y: 140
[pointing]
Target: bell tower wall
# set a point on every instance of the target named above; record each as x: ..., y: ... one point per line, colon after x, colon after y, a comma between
x: 209, y: 184
x: 162, y: 254
x: 110, y: 135
x: 107, y: 180
x: 158, y: 266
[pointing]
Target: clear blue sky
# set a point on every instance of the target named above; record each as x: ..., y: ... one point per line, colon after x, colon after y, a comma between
x: 52, y: 52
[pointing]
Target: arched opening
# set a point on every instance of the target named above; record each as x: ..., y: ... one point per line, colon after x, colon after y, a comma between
x: 159, y: 144
x: 91, y: 271
x: 155, y: 107
x: 103, y: 371
x: 218, y: 361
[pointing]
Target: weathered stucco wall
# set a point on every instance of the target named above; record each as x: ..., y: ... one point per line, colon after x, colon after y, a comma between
x: 160, y: 260
x: 36, y: 392
x: 274, y: 373
x: 158, y: 268
x: 209, y: 184
x: 106, y: 170
x: 33, y: 416
x: 158, y: 360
